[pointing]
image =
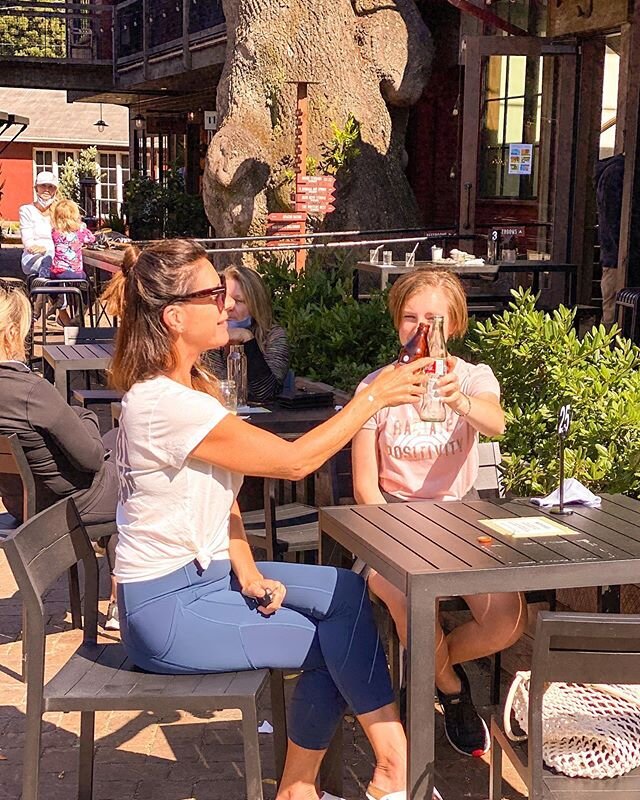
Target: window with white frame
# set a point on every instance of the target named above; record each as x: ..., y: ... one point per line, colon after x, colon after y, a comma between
x: 52, y: 160
x: 114, y: 173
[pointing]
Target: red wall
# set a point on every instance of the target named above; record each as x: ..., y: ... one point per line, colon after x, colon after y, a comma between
x: 16, y: 171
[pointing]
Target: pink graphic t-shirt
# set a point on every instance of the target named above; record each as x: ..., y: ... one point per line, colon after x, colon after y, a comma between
x: 430, y: 460
x: 67, y: 255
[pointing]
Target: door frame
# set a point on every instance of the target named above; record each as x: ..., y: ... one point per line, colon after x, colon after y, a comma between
x: 557, y: 200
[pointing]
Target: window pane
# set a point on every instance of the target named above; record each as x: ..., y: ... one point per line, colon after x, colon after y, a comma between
x: 44, y: 160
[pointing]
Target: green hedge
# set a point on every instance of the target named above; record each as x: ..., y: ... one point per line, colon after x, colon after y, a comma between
x: 538, y: 358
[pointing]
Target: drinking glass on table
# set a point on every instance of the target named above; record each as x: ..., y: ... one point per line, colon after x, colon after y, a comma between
x: 229, y: 395
x: 387, y: 257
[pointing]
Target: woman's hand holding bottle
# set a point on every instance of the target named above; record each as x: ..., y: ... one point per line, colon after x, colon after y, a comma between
x: 398, y: 384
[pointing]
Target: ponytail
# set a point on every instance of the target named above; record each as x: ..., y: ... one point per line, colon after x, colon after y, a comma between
x: 113, y: 296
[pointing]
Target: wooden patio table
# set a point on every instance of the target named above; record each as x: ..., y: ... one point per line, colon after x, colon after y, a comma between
x: 430, y: 550
x: 66, y: 358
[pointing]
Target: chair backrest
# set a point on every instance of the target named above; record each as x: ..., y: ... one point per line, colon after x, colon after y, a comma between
x: 333, y: 482
x: 577, y: 648
x: 39, y: 552
x: 489, y: 480
x: 77, y: 335
x: 14, y: 462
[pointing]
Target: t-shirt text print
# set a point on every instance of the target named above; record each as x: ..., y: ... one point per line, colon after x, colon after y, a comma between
x: 430, y: 460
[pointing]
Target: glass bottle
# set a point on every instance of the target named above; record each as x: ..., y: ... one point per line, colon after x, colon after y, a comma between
x: 432, y: 409
x: 416, y: 347
x: 237, y: 371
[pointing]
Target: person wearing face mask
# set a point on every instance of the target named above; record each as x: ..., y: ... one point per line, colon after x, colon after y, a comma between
x: 35, y: 227
x: 251, y: 324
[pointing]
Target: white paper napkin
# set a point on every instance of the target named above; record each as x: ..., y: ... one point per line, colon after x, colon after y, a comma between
x: 574, y: 492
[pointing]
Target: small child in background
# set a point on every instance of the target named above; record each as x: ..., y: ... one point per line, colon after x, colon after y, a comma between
x: 69, y: 234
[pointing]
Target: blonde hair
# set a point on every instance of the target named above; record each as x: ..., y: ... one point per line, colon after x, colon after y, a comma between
x: 138, y: 295
x: 65, y: 216
x: 413, y: 282
x: 15, y: 320
x: 257, y: 299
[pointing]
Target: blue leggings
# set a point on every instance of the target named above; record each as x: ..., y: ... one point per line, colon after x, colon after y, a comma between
x: 194, y: 621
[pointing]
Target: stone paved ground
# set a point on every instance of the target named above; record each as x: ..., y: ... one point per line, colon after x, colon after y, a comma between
x: 179, y: 756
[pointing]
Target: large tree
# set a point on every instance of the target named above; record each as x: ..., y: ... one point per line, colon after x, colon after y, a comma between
x: 366, y: 58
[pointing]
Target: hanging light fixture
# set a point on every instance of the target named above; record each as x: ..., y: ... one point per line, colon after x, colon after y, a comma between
x: 101, y: 124
x: 138, y: 120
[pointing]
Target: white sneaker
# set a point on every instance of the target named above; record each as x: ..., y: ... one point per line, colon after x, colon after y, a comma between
x: 113, y: 620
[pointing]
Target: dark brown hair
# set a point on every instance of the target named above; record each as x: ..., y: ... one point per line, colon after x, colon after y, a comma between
x: 420, y: 279
x: 137, y: 295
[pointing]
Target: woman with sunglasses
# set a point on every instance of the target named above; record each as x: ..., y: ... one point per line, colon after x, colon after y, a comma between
x: 191, y: 597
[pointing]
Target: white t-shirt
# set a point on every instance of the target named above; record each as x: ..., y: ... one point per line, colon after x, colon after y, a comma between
x: 35, y: 228
x: 172, y: 508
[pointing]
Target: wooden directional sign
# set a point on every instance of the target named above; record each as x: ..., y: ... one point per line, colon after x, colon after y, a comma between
x: 316, y: 208
x: 316, y: 180
x: 287, y: 216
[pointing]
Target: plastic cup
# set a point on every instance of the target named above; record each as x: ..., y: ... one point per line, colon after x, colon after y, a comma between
x: 410, y: 259
x: 387, y: 257
x: 373, y: 255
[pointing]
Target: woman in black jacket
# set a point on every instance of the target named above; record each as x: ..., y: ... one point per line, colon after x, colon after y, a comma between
x: 251, y: 325
x: 62, y: 443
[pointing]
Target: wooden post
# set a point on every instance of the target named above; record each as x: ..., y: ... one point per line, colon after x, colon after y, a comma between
x: 629, y: 141
x: 586, y: 155
x: 302, y: 133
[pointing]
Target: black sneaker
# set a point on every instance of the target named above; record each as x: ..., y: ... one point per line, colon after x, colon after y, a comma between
x: 465, y: 729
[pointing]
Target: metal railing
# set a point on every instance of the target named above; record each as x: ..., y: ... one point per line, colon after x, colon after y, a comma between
x: 75, y: 32
x: 165, y: 24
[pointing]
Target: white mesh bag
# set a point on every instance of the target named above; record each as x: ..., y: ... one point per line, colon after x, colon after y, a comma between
x: 588, y: 730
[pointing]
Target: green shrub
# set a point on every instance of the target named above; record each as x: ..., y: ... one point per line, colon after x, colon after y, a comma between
x: 333, y: 337
x: 541, y: 363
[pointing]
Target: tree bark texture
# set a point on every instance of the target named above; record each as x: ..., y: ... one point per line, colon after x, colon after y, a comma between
x: 370, y: 58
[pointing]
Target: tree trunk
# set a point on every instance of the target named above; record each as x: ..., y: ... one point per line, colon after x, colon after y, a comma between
x: 370, y: 58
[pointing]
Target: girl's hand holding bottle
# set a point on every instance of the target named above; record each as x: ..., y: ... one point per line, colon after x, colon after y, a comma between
x: 448, y: 387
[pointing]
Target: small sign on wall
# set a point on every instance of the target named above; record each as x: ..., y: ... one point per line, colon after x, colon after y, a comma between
x: 210, y: 120
x: 520, y: 159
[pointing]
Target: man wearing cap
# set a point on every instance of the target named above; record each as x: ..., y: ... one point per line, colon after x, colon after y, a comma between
x: 35, y: 226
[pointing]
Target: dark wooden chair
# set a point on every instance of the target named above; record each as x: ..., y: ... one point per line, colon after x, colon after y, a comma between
x: 574, y: 648
x: 291, y: 528
x: 14, y: 462
x: 100, y: 677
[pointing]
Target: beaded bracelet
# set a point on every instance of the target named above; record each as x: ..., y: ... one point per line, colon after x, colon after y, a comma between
x: 468, y: 411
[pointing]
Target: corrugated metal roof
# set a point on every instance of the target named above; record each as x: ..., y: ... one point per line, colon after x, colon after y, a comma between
x: 54, y: 121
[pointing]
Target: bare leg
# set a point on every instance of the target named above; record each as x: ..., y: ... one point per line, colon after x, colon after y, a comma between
x: 383, y: 729
x: 498, y: 621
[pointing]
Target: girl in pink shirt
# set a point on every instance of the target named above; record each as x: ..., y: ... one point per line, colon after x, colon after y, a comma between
x: 69, y: 234
x: 398, y: 457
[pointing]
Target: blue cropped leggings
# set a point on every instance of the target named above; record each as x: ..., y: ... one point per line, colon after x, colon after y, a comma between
x: 194, y: 621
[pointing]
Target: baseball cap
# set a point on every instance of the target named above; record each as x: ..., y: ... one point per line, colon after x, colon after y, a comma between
x: 46, y: 177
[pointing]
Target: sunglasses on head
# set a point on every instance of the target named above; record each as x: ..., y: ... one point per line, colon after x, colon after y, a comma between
x: 219, y: 292
x: 9, y: 287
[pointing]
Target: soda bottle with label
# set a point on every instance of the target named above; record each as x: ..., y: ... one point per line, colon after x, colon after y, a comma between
x: 417, y: 346
x: 431, y: 408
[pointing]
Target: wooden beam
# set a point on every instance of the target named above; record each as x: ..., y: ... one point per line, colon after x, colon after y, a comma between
x: 560, y: 190
x: 488, y: 17
x: 587, y: 137
x: 629, y: 250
